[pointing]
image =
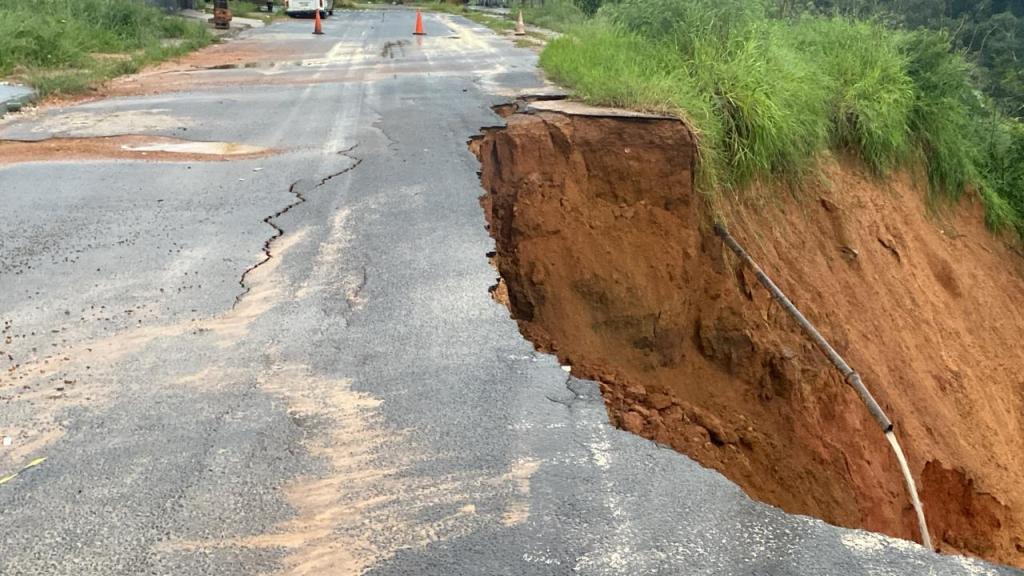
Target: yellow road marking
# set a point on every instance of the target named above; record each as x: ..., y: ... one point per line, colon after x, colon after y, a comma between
x: 31, y: 464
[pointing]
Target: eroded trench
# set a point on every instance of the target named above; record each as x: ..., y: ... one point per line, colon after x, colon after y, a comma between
x: 607, y: 260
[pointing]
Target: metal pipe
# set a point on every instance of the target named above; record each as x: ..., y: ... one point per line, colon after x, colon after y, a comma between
x: 849, y: 374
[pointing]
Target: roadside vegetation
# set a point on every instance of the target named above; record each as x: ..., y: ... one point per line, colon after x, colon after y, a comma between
x: 68, y: 46
x: 769, y: 93
x: 558, y: 15
x: 989, y: 33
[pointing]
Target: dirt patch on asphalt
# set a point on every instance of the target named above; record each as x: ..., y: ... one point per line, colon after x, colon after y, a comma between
x: 379, y: 493
x: 608, y: 261
x: 78, y: 123
x: 252, y: 55
x: 152, y: 148
x: 246, y: 54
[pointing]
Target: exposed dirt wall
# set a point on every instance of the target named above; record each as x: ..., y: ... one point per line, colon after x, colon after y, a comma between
x: 608, y: 261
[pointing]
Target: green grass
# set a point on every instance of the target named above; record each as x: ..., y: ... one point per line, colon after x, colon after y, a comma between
x: 242, y: 7
x: 62, y: 46
x: 558, y: 15
x: 869, y: 92
x: 768, y: 97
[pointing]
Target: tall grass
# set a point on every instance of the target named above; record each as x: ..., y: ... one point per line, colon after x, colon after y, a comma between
x: 56, y: 42
x: 768, y: 96
x: 557, y: 15
x: 869, y: 92
x: 612, y: 66
x: 942, y: 119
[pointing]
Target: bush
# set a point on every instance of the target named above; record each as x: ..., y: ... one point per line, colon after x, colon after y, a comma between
x: 1003, y: 169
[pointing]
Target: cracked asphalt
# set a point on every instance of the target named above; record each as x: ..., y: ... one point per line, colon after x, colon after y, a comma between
x: 292, y: 365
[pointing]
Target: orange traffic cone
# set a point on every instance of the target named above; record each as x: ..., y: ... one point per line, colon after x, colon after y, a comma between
x: 520, y: 27
x: 317, y: 26
x: 419, y: 25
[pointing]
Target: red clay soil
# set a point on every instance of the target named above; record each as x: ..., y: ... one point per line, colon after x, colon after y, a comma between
x: 608, y: 262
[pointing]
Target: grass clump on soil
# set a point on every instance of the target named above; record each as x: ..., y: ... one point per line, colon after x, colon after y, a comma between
x: 768, y: 96
x: 67, y: 46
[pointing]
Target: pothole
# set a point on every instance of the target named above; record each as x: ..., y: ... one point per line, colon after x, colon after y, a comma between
x: 200, y: 148
x: 607, y: 260
x: 136, y: 147
x: 75, y: 123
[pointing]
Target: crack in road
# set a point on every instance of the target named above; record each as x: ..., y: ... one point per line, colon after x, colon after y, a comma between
x: 568, y: 402
x: 300, y: 198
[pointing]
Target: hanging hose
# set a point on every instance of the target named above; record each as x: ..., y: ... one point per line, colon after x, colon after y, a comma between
x: 851, y: 376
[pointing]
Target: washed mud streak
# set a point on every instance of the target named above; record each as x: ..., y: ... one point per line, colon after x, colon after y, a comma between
x: 378, y: 491
x: 91, y: 359
x: 607, y: 261
x: 374, y: 499
x: 43, y: 380
x: 376, y: 495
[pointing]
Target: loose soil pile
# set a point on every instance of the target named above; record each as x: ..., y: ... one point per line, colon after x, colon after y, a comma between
x: 608, y: 261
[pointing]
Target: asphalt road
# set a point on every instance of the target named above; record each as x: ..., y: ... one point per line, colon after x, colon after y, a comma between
x: 291, y: 364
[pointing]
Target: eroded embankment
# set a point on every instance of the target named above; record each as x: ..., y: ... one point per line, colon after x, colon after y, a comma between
x: 608, y: 261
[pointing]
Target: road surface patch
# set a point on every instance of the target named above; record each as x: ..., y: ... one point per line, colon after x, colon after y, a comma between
x: 135, y: 147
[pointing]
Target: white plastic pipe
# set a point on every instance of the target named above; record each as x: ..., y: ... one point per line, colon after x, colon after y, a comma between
x: 851, y: 376
x: 926, y: 539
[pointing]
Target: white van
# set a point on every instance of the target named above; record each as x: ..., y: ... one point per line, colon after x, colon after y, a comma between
x: 308, y: 7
